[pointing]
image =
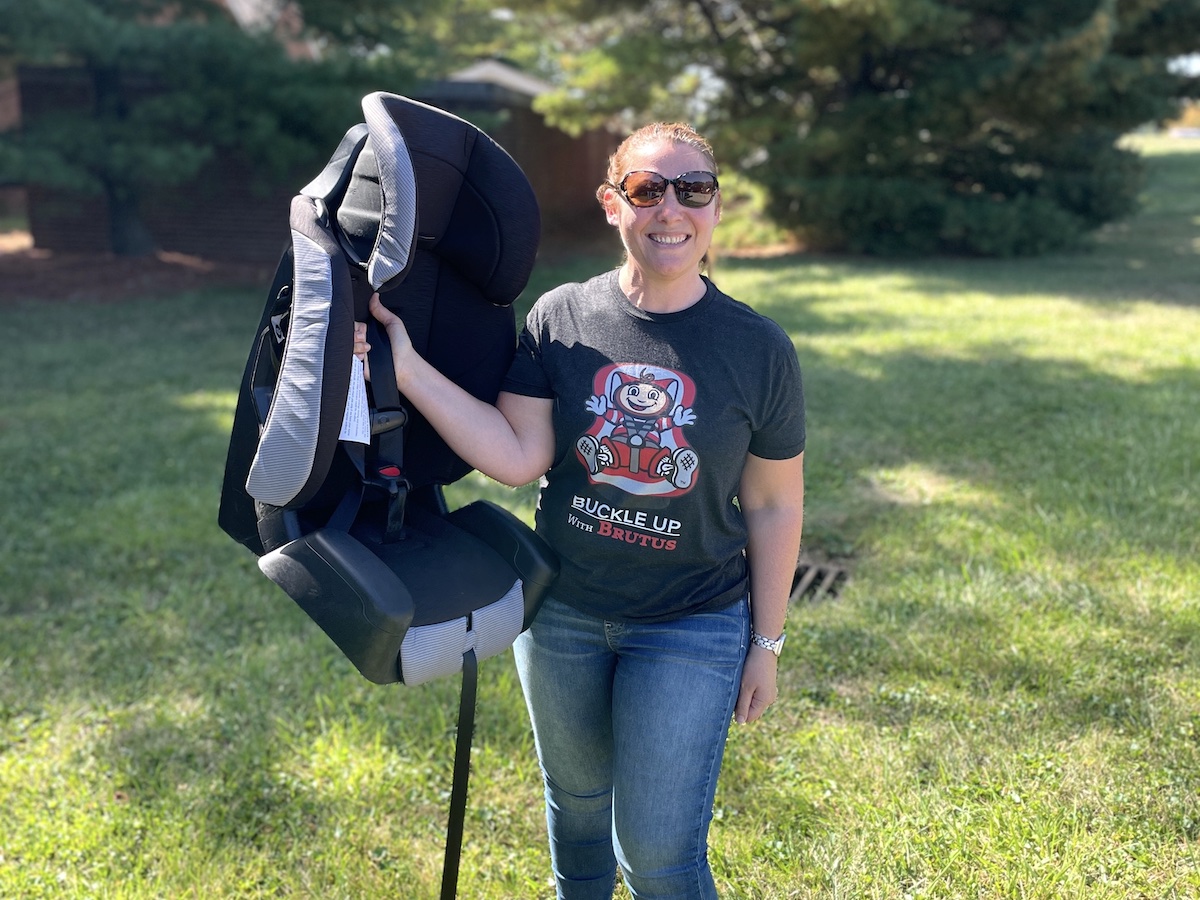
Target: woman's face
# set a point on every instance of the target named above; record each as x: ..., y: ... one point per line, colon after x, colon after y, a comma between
x: 666, y: 241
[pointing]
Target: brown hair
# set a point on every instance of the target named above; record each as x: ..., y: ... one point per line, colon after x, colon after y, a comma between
x: 676, y: 132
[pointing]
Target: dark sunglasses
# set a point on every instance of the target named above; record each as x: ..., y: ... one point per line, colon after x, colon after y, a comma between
x: 644, y: 189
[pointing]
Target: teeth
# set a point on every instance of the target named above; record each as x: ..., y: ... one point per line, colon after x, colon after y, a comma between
x: 669, y: 238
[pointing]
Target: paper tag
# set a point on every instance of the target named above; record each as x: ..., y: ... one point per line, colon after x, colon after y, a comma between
x: 356, y: 423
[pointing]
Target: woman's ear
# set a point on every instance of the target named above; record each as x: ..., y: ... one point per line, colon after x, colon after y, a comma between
x: 609, y: 200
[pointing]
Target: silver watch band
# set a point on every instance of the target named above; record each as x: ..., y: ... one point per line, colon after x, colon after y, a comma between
x: 775, y: 646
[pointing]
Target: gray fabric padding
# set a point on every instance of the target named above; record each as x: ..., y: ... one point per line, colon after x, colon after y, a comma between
x: 334, y: 176
x: 397, y: 181
x: 435, y: 650
x: 288, y: 444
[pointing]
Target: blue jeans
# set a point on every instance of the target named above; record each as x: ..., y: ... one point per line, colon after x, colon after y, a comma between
x: 630, y: 722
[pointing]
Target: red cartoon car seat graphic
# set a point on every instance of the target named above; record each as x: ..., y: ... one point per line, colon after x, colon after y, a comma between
x: 636, y: 441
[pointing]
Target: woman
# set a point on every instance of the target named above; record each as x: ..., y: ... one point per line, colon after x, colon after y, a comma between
x: 666, y: 422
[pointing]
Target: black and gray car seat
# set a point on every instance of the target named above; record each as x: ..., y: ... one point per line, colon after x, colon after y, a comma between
x: 336, y: 485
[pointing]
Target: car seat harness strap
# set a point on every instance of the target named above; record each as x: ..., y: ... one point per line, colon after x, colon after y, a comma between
x: 386, y: 473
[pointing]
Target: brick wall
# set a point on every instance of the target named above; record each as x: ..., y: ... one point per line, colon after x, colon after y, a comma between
x: 67, y: 222
x: 225, y: 213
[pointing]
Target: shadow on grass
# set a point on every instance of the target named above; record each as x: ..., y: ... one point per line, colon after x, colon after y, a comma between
x: 1023, y: 557
x: 1031, y: 433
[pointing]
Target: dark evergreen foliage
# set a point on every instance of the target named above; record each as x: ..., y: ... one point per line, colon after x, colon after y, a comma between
x: 906, y: 126
x: 163, y: 88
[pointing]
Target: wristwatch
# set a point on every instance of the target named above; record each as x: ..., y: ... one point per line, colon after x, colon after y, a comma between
x: 775, y: 646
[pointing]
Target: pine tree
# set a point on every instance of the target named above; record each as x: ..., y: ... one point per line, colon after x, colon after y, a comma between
x: 166, y: 87
x: 903, y: 126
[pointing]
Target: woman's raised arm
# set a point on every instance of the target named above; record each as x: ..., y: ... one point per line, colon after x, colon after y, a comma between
x: 512, y: 442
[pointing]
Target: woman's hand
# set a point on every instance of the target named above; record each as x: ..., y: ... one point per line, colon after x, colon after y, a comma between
x: 397, y: 336
x: 759, y: 688
x: 511, y: 441
x: 402, y: 347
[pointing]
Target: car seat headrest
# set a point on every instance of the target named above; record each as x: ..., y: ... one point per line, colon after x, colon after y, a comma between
x: 424, y: 179
x: 477, y: 210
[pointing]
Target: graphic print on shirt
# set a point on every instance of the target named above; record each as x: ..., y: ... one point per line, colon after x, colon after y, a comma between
x: 636, y: 441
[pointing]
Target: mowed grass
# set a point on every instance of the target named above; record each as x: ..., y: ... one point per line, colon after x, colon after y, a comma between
x: 1004, y: 701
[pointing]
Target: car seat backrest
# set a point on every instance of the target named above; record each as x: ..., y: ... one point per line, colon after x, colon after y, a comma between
x: 425, y: 209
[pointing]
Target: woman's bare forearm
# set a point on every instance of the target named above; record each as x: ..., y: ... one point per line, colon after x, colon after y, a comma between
x: 512, y: 442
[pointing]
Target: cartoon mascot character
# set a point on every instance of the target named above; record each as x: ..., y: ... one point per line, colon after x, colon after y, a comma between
x: 636, y: 441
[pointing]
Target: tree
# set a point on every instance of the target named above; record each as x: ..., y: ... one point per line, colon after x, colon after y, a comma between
x: 433, y: 37
x: 166, y: 88
x: 898, y: 126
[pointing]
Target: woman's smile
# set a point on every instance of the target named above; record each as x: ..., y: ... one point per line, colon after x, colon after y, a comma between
x: 669, y: 240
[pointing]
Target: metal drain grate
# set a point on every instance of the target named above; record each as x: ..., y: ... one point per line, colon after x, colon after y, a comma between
x: 813, y: 581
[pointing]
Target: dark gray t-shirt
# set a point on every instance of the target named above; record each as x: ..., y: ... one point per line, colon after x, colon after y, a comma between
x: 653, y: 417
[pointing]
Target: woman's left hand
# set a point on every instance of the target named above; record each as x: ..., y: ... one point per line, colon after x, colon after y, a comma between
x: 759, y: 689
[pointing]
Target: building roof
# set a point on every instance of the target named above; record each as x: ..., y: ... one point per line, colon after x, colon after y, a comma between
x: 495, y: 72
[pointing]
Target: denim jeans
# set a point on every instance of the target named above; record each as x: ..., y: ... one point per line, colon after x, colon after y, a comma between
x: 630, y: 722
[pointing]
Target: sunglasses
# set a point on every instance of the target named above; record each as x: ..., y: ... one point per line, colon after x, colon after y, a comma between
x: 645, y: 189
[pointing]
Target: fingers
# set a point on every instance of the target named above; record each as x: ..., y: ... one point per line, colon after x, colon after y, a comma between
x: 403, y: 352
x: 759, y: 688
x: 361, y: 347
x: 380, y: 312
x: 741, y: 711
x: 758, y: 706
x: 751, y: 705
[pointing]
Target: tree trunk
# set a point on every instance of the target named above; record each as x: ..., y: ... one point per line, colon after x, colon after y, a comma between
x: 127, y: 232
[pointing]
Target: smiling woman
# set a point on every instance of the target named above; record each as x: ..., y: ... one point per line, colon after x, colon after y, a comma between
x: 663, y: 197
x: 646, y: 401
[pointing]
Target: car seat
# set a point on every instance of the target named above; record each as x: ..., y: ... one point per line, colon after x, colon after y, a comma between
x: 335, y: 483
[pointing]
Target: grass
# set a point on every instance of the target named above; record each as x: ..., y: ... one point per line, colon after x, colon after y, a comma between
x: 1003, y: 702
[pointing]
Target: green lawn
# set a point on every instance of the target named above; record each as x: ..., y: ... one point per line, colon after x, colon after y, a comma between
x: 1004, y: 702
